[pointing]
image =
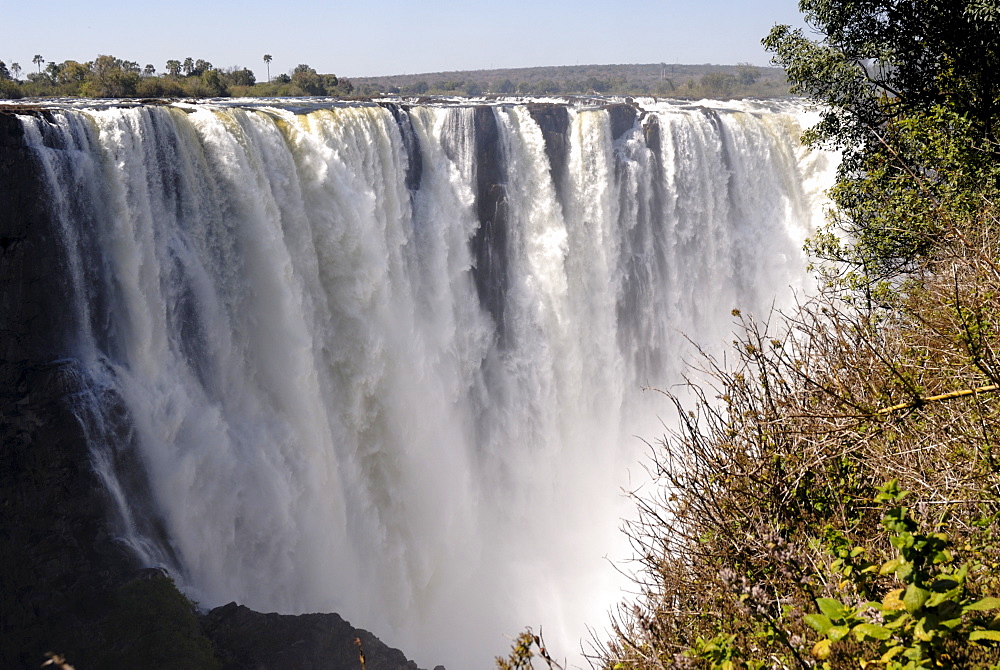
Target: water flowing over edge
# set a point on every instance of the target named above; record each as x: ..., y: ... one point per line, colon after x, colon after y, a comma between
x: 387, y: 360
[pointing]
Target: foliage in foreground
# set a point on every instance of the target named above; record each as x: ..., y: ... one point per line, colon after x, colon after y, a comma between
x: 832, y: 500
x: 910, y: 94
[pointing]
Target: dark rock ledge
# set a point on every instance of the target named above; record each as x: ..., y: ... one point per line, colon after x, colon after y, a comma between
x: 250, y: 640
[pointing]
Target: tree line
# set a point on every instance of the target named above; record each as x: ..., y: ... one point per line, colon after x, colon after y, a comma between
x: 745, y: 80
x: 111, y: 77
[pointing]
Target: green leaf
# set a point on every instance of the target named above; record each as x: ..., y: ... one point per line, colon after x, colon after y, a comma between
x: 830, y: 607
x: 889, y: 566
x: 983, y: 605
x: 837, y: 633
x: 940, y: 598
x: 943, y: 556
x: 985, y: 635
x: 890, y: 654
x: 922, y: 633
x: 900, y: 620
x: 914, y: 598
x: 950, y: 623
x: 874, y: 631
x: 949, y: 609
x: 819, y: 622
x: 944, y: 584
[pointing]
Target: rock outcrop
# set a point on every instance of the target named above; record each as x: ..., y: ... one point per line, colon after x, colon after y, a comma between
x: 248, y: 640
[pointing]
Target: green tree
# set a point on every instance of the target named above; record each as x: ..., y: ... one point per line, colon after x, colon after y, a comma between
x: 15, y: 70
x: 10, y: 90
x: 188, y: 66
x: 308, y: 80
x: 910, y: 93
x: 112, y: 78
x: 267, y: 62
x: 173, y: 68
x: 38, y: 60
x: 4, y: 72
x: 505, y: 87
x: 73, y: 73
x: 747, y: 74
x: 212, y: 84
x: 52, y: 70
x: 546, y: 87
x: 718, y: 83
x: 149, y: 70
x: 200, y: 68
x: 240, y: 77
x: 595, y: 85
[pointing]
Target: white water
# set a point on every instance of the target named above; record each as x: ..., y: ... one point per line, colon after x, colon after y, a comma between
x: 326, y: 413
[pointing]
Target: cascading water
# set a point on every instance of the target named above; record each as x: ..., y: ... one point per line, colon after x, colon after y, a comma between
x: 388, y: 361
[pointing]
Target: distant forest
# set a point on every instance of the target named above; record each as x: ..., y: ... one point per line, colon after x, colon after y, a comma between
x: 111, y: 77
x: 670, y: 80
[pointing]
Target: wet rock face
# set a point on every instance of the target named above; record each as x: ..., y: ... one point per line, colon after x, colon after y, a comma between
x: 59, y: 558
x: 414, y: 157
x: 553, y: 120
x: 58, y: 555
x: 248, y: 640
x: 489, y: 246
x: 30, y: 255
x: 623, y: 117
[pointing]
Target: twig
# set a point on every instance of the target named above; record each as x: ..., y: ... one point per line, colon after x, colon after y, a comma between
x: 944, y: 396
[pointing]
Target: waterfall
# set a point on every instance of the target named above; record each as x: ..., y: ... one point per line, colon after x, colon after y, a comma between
x: 387, y: 360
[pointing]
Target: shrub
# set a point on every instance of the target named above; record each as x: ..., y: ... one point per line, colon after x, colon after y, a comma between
x: 773, y: 539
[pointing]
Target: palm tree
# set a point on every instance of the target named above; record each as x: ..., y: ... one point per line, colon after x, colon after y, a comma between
x: 267, y: 61
x: 188, y: 65
x: 38, y: 60
x: 15, y: 69
x: 149, y: 70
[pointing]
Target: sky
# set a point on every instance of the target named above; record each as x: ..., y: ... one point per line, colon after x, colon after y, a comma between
x: 392, y: 36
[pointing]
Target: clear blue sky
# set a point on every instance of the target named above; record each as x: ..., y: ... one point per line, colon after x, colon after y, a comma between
x: 392, y: 36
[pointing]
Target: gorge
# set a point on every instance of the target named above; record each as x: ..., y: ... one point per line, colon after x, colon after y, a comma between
x: 378, y: 359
